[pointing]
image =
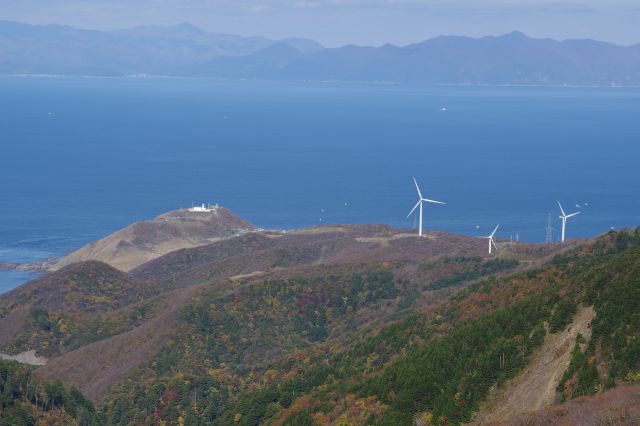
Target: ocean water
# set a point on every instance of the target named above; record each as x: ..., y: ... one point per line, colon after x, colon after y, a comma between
x: 80, y: 158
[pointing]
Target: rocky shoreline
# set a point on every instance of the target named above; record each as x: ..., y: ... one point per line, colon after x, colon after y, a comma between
x: 9, y: 266
x: 38, y: 266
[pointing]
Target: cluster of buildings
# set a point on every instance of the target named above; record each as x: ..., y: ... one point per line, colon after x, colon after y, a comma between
x: 204, y: 209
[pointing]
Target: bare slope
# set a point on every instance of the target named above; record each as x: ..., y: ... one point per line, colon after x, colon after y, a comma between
x: 143, y: 241
x: 535, y: 387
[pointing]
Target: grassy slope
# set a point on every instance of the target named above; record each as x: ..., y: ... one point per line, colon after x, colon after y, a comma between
x: 143, y: 241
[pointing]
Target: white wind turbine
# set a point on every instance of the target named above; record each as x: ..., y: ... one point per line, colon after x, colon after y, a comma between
x: 564, y: 218
x: 421, y: 200
x: 491, y: 241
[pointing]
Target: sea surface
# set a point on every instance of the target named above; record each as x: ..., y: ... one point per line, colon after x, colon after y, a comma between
x: 83, y: 157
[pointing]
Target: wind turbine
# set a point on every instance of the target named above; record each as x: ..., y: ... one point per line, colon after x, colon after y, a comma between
x: 490, y: 238
x: 421, y: 200
x: 564, y: 218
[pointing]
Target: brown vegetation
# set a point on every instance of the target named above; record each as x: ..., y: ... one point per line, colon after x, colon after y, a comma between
x: 94, y: 292
x: 96, y: 367
x: 619, y: 406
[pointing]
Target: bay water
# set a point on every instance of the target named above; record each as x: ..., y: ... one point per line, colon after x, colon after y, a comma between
x: 83, y: 157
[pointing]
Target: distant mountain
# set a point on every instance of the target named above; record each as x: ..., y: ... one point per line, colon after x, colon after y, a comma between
x: 271, y: 62
x: 510, y: 59
x: 159, y: 50
x: 303, y: 44
x: 185, y: 50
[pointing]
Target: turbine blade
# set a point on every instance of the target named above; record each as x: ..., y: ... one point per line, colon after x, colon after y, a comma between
x: 560, y: 205
x: 571, y: 215
x: 417, y: 187
x: 432, y: 201
x: 414, y: 208
x: 494, y: 231
x: 494, y: 244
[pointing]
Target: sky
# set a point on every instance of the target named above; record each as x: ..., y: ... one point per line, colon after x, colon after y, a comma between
x: 340, y: 22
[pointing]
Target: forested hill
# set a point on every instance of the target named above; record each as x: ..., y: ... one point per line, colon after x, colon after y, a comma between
x: 25, y: 400
x: 344, y: 325
x: 420, y: 364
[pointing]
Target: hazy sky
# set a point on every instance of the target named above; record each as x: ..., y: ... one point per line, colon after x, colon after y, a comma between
x: 337, y: 22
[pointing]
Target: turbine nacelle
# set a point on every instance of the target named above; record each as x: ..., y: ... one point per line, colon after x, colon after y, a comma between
x: 568, y: 216
x: 423, y: 200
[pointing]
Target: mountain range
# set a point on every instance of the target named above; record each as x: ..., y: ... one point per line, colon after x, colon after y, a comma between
x: 185, y: 50
x: 341, y: 324
x: 175, y: 50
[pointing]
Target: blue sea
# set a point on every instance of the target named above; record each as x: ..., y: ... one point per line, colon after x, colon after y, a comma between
x: 83, y: 157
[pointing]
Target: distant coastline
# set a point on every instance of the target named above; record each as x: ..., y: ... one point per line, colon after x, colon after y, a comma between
x: 35, y: 266
x: 337, y: 82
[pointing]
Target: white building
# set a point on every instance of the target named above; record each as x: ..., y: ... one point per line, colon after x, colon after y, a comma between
x: 202, y: 208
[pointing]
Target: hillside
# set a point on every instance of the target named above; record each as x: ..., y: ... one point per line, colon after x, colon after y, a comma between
x: 535, y: 387
x: 340, y: 324
x: 80, y: 303
x: 24, y: 400
x: 272, y: 252
x: 494, y: 329
x: 92, y: 308
x: 383, y: 371
x: 185, y: 50
x: 143, y: 241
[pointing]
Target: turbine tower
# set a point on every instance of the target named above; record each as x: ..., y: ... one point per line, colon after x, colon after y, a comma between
x: 421, y: 200
x: 564, y: 218
x: 491, y: 242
